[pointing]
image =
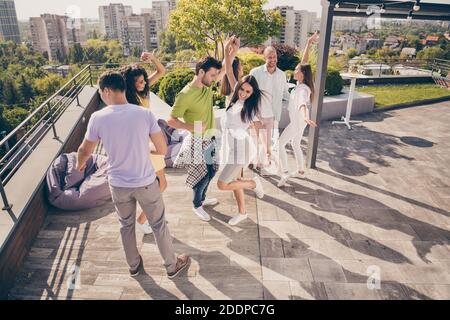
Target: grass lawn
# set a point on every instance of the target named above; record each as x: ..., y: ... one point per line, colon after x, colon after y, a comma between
x: 390, y: 95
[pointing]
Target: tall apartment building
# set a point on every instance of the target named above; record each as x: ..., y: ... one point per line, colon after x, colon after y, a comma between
x: 111, y: 17
x: 161, y: 11
x: 76, y: 31
x: 139, y: 32
x: 9, y: 25
x: 303, y: 25
x: 49, y: 35
x: 297, y: 24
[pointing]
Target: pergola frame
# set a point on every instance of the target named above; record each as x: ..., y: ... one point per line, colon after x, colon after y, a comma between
x: 359, y: 8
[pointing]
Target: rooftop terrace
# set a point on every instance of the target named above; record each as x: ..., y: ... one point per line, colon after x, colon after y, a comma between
x: 378, y: 202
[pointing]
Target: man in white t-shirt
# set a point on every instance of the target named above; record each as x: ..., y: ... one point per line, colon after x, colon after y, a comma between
x: 272, y: 81
x: 125, y: 131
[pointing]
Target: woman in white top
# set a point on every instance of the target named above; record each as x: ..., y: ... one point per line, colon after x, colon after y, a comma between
x: 299, y: 102
x: 241, y: 114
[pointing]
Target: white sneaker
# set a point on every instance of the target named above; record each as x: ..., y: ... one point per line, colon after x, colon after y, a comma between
x: 202, y: 214
x: 265, y: 173
x: 283, y: 180
x: 298, y: 175
x: 259, y: 190
x: 210, y: 202
x: 238, y: 218
x: 144, y: 228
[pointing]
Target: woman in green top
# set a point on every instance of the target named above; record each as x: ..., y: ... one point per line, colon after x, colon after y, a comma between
x: 138, y: 93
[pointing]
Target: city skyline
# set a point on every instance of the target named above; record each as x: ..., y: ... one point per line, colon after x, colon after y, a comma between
x: 89, y: 9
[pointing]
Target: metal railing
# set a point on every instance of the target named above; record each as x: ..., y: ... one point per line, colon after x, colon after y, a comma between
x: 421, y: 66
x: 18, y: 145
x: 441, y: 67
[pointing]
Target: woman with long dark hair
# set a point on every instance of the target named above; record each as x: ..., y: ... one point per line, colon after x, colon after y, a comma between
x: 139, y: 82
x: 241, y: 114
x: 138, y: 92
x: 299, y: 103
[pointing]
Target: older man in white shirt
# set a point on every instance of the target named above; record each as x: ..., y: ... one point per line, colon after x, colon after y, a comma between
x: 275, y: 86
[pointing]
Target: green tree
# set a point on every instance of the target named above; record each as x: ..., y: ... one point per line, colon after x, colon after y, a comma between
x: 351, y: 53
x: 386, y: 53
x: 10, y: 94
x: 186, y: 55
x: 76, y: 53
x: 206, y: 23
x: 1, y: 90
x: 103, y: 51
x: 136, y: 52
x: 413, y: 41
x: 431, y: 53
x: 48, y: 85
x: 14, y: 116
x: 4, y: 126
x: 26, y: 90
x: 250, y: 60
x: 169, y: 44
x: 287, y: 56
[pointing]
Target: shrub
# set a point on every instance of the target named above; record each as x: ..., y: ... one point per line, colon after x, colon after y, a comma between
x: 334, y: 83
x: 15, y: 116
x: 250, y: 60
x: 290, y: 76
x: 155, y: 87
x: 219, y: 100
x: 186, y: 55
x: 287, y: 56
x: 173, y: 82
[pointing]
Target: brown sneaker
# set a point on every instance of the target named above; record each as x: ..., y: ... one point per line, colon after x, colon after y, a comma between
x: 135, y: 272
x: 182, y: 262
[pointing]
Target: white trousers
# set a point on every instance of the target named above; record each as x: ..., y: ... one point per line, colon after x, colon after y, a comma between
x: 293, y: 134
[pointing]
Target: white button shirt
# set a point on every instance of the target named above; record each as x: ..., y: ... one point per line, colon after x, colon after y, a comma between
x: 275, y: 87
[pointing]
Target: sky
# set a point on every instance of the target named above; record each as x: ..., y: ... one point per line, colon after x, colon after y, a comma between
x: 89, y: 8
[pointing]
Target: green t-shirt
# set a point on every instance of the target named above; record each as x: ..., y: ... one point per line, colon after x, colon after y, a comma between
x: 195, y: 104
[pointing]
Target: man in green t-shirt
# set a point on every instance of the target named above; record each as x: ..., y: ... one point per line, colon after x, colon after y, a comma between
x: 193, y: 111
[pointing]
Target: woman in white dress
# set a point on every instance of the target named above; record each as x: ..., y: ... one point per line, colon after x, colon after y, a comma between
x: 242, y: 113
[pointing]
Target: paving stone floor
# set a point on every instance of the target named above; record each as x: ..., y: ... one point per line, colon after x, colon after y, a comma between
x: 379, y: 204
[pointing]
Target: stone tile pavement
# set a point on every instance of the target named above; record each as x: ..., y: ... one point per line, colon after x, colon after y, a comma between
x: 379, y: 204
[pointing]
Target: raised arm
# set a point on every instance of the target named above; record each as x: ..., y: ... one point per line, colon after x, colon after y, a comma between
x: 231, y: 48
x: 160, y: 70
x: 309, y: 43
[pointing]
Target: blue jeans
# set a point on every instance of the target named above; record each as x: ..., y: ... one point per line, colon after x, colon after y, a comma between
x: 202, y: 187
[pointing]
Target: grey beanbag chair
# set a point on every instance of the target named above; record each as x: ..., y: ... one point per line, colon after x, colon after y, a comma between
x: 174, y: 141
x: 70, y: 189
